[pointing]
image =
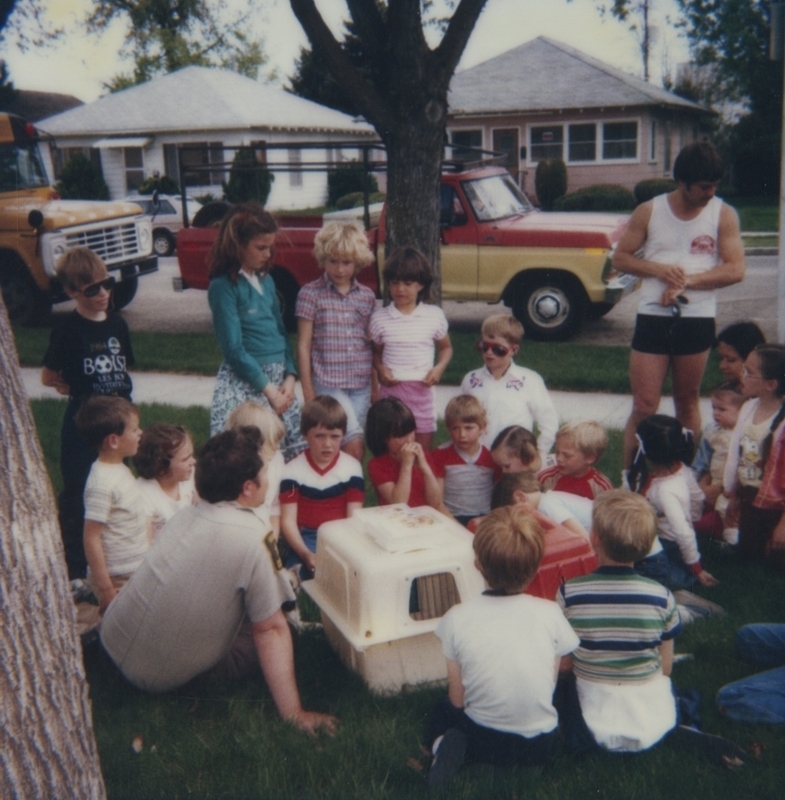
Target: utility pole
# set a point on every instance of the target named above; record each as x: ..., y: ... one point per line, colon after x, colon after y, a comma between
x: 776, y: 47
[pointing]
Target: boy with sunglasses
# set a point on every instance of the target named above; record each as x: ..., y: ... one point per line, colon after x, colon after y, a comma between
x: 511, y: 395
x: 89, y: 354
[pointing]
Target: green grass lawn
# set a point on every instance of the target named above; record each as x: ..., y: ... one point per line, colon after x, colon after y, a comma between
x: 757, y: 213
x: 563, y: 365
x: 225, y: 741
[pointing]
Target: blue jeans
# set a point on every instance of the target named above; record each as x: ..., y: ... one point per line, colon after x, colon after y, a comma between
x: 761, y: 697
x: 667, y: 567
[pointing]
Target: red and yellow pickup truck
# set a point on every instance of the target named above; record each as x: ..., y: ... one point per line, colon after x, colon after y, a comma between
x: 553, y: 269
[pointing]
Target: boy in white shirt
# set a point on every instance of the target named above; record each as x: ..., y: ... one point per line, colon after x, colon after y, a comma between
x: 512, y: 395
x: 117, y: 528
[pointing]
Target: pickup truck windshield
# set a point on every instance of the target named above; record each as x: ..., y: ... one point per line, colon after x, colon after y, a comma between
x: 21, y: 168
x: 496, y: 197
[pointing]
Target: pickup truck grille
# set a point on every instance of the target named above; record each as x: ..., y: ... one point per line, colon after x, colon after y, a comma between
x: 112, y: 243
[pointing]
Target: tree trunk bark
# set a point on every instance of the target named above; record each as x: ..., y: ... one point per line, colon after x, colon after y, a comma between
x: 47, y: 747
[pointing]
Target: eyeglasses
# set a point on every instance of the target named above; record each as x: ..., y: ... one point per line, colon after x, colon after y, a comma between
x: 745, y: 373
x: 93, y: 289
x: 497, y: 349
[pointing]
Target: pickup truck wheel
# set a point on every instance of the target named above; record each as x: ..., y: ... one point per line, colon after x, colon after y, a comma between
x: 598, y: 310
x: 551, y: 309
x: 25, y: 302
x: 163, y: 242
x: 124, y: 292
x: 287, y: 288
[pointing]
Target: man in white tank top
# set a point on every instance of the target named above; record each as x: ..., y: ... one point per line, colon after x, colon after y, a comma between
x: 684, y: 245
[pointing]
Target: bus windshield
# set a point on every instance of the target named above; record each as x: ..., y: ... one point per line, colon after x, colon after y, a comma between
x: 21, y: 167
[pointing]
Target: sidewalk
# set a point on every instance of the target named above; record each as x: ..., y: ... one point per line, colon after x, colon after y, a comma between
x: 610, y: 410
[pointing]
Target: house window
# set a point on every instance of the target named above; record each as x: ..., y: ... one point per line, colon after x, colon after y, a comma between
x: 547, y: 142
x: 295, y: 174
x: 582, y: 144
x: 134, y: 168
x: 653, y: 141
x: 199, y: 156
x: 464, y: 144
x: 619, y: 140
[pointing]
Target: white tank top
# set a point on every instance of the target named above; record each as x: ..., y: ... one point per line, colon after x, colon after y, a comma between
x: 692, y: 244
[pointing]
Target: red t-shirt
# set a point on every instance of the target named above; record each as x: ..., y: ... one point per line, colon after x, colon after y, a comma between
x: 386, y: 469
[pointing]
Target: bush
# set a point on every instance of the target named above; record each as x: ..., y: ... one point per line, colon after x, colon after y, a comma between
x: 550, y: 182
x: 248, y: 179
x: 600, y: 197
x: 81, y: 180
x: 347, y: 179
x: 651, y: 187
x: 355, y: 199
x: 163, y: 183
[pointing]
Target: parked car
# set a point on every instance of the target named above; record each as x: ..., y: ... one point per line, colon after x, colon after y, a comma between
x: 166, y: 215
x: 553, y: 269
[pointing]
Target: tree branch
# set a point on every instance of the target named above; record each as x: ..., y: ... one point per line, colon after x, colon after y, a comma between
x: 370, y: 26
x: 369, y: 101
x: 453, y: 43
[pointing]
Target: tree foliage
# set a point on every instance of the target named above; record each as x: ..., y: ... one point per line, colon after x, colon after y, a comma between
x: 731, y: 37
x: 166, y: 35
x: 402, y: 92
x: 246, y: 180
x: 637, y: 15
x: 550, y: 182
x: 81, y: 180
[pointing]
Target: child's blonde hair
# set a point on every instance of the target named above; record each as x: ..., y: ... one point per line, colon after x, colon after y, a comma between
x: 731, y: 391
x: 80, y: 267
x: 504, y: 326
x: 465, y: 408
x: 342, y: 240
x: 625, y: 523
x: 588, y: 436
x: 508, y: 545
x: 518, y: 440
x: 510, y: 483
x: 258, y: 416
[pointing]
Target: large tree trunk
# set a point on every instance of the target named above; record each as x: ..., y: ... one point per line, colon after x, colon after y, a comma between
x: 47, y: 747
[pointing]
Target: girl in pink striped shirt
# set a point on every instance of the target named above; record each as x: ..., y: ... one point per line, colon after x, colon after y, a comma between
x: 404, y: 334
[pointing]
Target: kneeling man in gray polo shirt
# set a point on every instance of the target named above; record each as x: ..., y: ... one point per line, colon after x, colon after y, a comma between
x: 208, y: 597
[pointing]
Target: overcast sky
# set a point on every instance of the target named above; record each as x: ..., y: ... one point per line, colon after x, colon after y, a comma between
x: 80, y: 64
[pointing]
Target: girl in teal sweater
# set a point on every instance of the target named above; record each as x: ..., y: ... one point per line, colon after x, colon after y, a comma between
x: 258, y: 363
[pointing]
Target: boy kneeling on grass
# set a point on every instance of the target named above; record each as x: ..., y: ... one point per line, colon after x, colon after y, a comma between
x: 503, y: 651
x: 208, y: 599
x: 619, y: 697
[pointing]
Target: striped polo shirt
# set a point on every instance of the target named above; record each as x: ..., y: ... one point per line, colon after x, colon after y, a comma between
x: 621, y: 619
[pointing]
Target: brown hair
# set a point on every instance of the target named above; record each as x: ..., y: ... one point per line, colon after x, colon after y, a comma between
x: 103, y: 415
x: 158, y: 444
x: 504, y: 326
x: 243, y: 223
x: 342, y: 240
x: 409, y: 264
x: 509, y: 545
x: 519, y: 440
x: 731, y: 391
x: 226, y: 462
x: 507, y: 485
x: 80, y: 267
x: 388, y: 418
x: 323, y: 410
x: 465, y: 408
x: 625, y: 524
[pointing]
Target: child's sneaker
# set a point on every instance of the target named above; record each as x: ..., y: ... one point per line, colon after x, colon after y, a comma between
x: 447, y: 759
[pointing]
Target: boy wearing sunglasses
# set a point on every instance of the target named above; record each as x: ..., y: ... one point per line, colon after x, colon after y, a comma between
x: 511, y: 395
x: 89, y: 354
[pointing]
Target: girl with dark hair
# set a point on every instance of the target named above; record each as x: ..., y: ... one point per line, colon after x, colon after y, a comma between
x: 400, y: 471
x: 734, y: 344
x: 760, y: 424
x: 404, y: 334
x: 258, y: 363
x: 660, y: 473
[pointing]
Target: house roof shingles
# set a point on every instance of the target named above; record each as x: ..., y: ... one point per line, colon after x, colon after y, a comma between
x: 546, y: 75
x: 200, y: 98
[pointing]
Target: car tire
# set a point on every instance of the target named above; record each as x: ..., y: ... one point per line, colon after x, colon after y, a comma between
x: 124, y: 292
x: 286, y: 288
x: 163, y: 243
x: 599, y: 310
x: 25, y: 302
x: 551, y: 309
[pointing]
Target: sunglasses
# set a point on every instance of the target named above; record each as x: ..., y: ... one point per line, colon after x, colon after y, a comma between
x: 93, y: 289
x: 498, y: 350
